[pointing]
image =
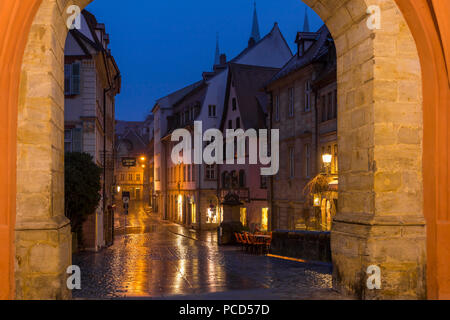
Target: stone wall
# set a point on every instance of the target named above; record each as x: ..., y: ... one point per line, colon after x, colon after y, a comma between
x: 306, y: 245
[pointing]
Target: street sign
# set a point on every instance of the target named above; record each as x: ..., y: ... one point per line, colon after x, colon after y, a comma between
x: 129, y: 162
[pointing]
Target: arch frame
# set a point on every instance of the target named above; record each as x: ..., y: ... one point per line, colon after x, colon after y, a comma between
x: 426, y: 19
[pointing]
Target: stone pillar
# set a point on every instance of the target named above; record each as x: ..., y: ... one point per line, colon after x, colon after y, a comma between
x: 42, y: 232
x: 380, y: 211
x: 380, y: 220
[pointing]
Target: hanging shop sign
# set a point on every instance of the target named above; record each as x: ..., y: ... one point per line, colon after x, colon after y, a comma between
x: 129, y: 162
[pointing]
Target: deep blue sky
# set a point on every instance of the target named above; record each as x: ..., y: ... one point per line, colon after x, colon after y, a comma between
x: 161, y: 46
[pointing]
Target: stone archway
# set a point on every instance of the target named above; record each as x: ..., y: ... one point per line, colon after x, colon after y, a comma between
x: 380, y: 220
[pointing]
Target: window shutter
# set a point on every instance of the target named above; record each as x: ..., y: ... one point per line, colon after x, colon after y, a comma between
x: 76, y: 78
x: 77, y: 140
x: 67, y: 78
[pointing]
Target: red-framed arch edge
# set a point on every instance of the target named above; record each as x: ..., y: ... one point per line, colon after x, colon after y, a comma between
x: 430, y: 27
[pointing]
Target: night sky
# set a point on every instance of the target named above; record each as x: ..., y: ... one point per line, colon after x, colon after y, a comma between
x: 161, y: 46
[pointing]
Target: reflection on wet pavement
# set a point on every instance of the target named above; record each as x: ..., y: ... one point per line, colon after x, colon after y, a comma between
x: 157, y: 259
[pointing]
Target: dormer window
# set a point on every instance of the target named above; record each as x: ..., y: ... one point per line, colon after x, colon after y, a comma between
x: 212, y: 111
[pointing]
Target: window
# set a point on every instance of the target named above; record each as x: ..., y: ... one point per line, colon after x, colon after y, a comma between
x: 265, y: 219
x: 158, y: 174
x: 238, y: 123
x: 335, y: 105
x: 72, y: 78
x: 67, y: 140
x: 243, y: 216
x: 138, y: 177
x: 130, y: 177
x: 122, y: 176
x: 263, y: 182
x: 210, y: 172
x: 234, y: 103
x: 330, y: 106
x: 225, y: 180
x: 307, y: 160
x: 242, y: 178
x: 291, y: 102
x: 184, y: 173
x: 189, y: 173
x: 324, y: 108
x: 308, y: 96
x: 335, y: 159
x: 277, y: 108
x: 212, y: 111
x: 291, y: 163
x: 73, y: 140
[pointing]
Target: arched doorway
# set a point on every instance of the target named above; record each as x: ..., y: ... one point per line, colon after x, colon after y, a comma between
x: 381, y: 213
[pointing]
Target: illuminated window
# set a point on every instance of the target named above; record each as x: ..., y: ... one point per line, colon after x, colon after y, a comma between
x: 265, y: 219
x: 138, y: 177
x: 244, y: 216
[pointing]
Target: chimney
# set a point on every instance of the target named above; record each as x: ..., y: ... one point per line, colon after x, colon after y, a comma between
x: 223, y: 59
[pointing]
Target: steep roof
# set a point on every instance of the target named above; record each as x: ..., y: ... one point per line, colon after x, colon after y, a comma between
x: 247, y: 80
x: 132, y: 139
x: 169, y: 100
x: 314, y: 53
x: 274, y: 35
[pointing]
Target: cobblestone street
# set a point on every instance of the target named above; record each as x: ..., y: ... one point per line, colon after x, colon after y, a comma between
x: 157, y: 259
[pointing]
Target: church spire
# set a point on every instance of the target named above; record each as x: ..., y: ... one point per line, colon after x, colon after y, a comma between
x: 306, y: 21
x: 255, y: 28
x: 217, y: 56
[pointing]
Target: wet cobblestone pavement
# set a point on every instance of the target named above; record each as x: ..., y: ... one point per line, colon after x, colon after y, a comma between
x: 157, y: 259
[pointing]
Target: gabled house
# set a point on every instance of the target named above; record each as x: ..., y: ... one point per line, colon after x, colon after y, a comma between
x: 246, y: 108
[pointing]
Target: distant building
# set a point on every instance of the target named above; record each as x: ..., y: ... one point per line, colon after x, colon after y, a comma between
x: 201, y: 195
x: 132, y: 160
x: 92, y: 80
x: 304, y: 109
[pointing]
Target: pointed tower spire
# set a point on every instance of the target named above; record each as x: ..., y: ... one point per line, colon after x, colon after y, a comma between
x: 306, y: 21
x: 255, y: 28
x: 217, y: 56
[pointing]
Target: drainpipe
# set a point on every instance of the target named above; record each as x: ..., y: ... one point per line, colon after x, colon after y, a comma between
x: 272, y: 213
x: 105, y: 91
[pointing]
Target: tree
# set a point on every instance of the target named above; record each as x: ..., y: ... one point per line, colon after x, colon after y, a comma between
x: 82, y: 188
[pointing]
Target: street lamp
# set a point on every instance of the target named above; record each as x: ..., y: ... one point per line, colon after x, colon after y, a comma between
x: 142, y: 158
x: 327, y: 158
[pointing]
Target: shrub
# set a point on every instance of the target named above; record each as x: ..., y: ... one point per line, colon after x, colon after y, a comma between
x: 82, y: 188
